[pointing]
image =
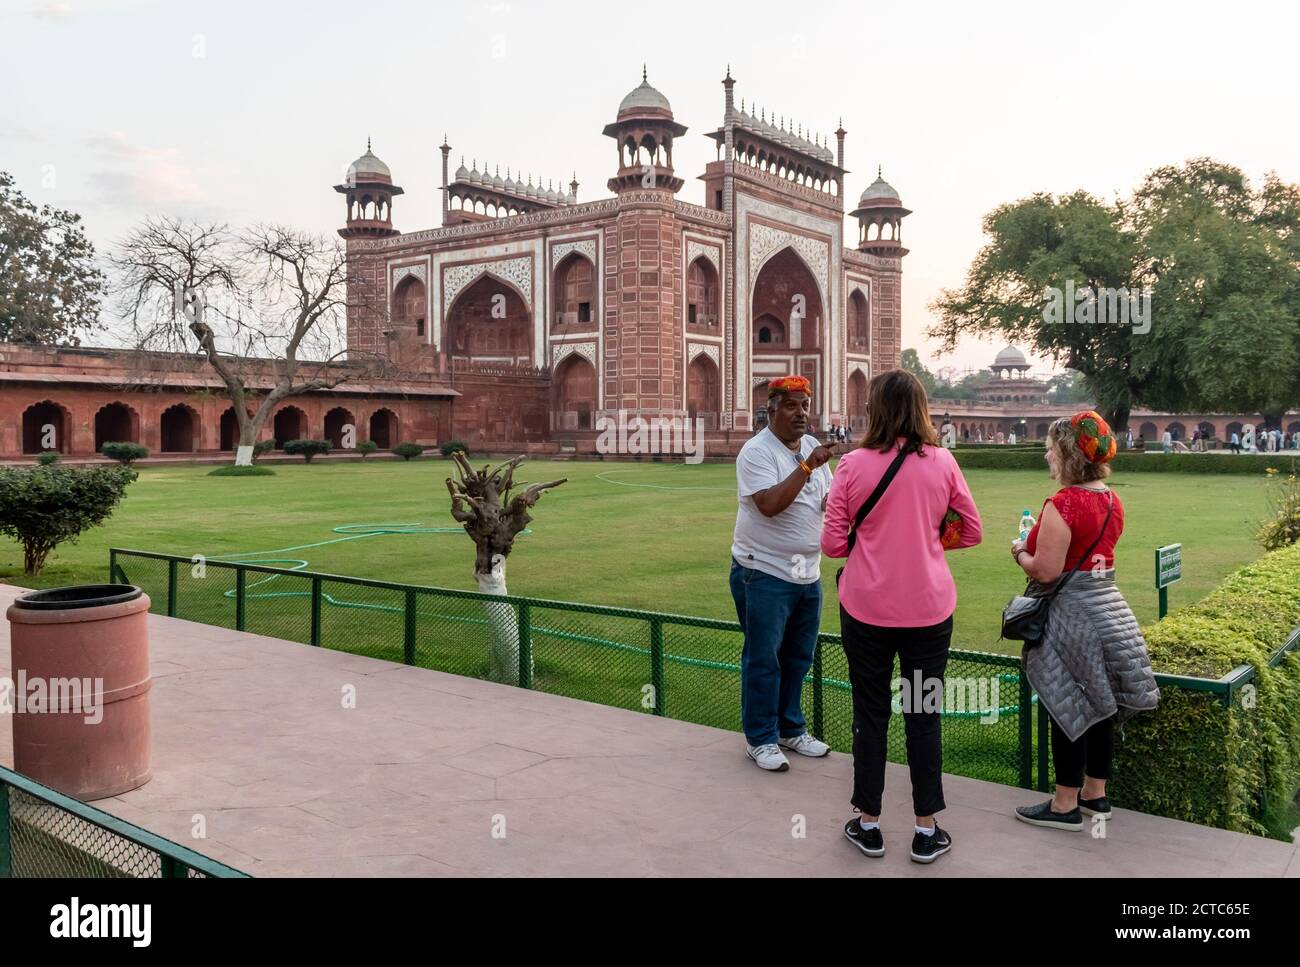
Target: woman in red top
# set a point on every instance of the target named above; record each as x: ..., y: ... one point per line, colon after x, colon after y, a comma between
x: 1091, y: 667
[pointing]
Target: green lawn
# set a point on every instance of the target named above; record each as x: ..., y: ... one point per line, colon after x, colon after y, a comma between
x: 654, y: 536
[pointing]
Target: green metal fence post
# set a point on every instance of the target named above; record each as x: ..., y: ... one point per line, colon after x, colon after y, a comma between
x: 408, y: 649
x: 1043, y: 718
x: 525, y: 648
x: 241, y: 599
x: 112, y: 566
x: 6, y: 838
x: 819, y: 710
x: 657, y: 664
x: 171, y: 588
x: 1026, y: 734
x: 315, y: 611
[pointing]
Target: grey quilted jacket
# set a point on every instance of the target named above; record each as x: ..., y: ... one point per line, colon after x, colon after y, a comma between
x: 1092, y: 662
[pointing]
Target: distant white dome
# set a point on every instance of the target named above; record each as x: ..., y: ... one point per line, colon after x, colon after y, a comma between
x: 1011, y: 356
x: 879, y: 190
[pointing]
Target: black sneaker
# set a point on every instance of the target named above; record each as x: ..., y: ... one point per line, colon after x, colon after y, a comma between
x: 1042, y: 815
x: 1095, y: 807
x: 868, y: 840
x: 927, y: 849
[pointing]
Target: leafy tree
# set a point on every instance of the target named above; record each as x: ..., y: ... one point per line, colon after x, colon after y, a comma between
x: 1068, y: 387
x: 41, y: 507
x: 911, y: 361
x: 1221, y: 263
x: 49, y: 285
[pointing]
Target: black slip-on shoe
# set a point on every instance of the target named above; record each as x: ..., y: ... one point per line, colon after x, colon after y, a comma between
x: 927, y: 849
x: 1042, y: 815
x: 868, y: 840
x: 1095, y: 807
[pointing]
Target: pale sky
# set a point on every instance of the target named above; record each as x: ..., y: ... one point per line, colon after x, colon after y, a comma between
x: 245, y: 111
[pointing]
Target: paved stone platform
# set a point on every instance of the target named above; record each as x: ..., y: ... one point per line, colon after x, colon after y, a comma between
x: 436, y: 775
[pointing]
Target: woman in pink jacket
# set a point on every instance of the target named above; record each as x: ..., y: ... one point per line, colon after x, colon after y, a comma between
x: 897, y: 597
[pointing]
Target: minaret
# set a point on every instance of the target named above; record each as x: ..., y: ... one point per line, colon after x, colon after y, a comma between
x: 881, y: 208
x: 728, y: 117
x: 644, y: 131
x: 445, y: 148
x: 370, y: 191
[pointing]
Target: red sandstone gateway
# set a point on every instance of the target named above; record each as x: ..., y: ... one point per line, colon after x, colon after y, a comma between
x: 80, y: 659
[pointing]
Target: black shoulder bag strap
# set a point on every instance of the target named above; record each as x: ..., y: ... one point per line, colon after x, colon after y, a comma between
x: 876, y: 494
x: 1110, y: 506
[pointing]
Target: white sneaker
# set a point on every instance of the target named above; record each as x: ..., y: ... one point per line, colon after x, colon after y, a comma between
x: 768, y: 757
x: 806, y: 745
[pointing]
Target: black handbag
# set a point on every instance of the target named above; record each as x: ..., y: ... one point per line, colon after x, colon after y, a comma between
x: 871, y: 501
x: 1025, y: 616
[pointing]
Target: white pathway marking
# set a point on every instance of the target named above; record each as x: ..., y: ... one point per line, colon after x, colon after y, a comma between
x: 645, y: 486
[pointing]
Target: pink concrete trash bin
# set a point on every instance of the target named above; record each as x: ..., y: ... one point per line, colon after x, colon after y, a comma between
x: 86, y: 651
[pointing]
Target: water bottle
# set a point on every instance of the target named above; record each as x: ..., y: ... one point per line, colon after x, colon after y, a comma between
x: 1026, y: 524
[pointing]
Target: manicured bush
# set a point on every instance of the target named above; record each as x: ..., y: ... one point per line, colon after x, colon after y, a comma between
x: 1193, y: 758
x: 307, y: 448
x: 48, y: 459
x: 41, y: 507
x: 1003, y: 458
x: 367, y: 447
x: 262, y: 446
x: 408, y: 450
x: 124, y: 453
x: 231, y: 470
x: 452, y: 446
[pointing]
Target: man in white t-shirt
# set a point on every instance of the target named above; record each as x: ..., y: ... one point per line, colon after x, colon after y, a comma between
x: 782, y: 481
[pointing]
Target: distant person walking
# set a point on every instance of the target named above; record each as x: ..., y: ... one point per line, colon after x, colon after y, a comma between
x: 889, y: 499
x: 1235, y: 442
x: 1091, y: 668
x: 1167, y: 441
x: 782, y: 481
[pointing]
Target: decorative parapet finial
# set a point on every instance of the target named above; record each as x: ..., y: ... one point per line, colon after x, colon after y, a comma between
x: 644, y: 80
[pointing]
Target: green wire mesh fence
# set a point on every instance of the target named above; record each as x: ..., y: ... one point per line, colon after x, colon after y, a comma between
x: 662, y: 664
x: 44, y: 833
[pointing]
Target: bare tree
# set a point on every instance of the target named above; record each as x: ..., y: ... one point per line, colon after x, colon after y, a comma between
x: 265, y: 309
x: 481, y: 500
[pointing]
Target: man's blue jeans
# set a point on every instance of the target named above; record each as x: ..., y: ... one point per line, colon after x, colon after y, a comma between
x: 780, y: 620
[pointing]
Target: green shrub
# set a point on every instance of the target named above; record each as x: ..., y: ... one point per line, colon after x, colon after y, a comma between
x: 48, y: 459
x: 452, y: 446
x: 1196, y: 759
x: 1283, y: 526
x: 124, y: 453
x: 1005, y: 458
x: 41, y: 507
x: 367, y: 447
x: 307, y: 448
x: 231, y: 470
x: 408, y: 450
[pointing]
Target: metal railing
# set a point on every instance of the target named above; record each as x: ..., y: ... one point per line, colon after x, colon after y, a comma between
x: 44, y: 833
x: 683, y: 667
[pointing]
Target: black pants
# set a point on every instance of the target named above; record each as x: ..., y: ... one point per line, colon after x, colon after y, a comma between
x: 1091, y: 751
x: 870, y: 650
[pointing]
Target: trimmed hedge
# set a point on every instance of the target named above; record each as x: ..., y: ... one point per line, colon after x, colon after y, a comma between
x: 1234, y: 767
x: 233, y: 471
x: 306, y: 448
x: 408, y: 451
x: 124, y: 452
x: 1004, y: 458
